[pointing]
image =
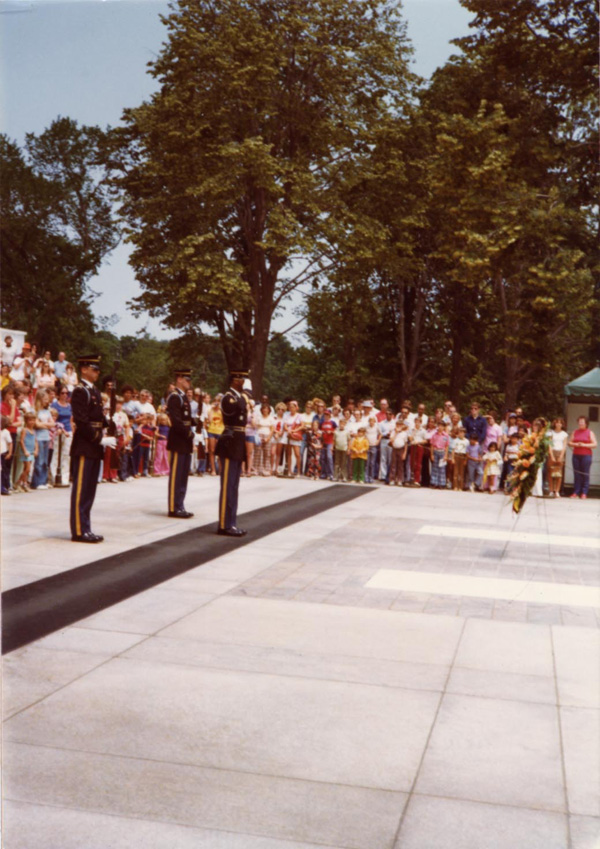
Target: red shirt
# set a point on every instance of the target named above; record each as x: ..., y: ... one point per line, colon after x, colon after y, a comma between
x: 5, y: 411
x: 327, y: 429
x: 583, y: 436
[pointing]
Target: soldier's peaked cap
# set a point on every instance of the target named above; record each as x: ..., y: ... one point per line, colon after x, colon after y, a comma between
x: 183, y: 372
x: 239, y: 372
x: 89, y: 360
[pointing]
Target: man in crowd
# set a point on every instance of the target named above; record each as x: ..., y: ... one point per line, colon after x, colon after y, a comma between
x: 475, y: 424
x: 9, y: 351
x: 60, y: 366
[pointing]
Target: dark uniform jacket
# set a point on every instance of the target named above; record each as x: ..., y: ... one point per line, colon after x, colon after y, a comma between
x: 181, y: 438
x: 89, y: 418
x: 232, y: 442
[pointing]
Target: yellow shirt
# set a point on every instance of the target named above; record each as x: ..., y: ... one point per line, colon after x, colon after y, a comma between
x: 359, y: 448
x: 215, y: 421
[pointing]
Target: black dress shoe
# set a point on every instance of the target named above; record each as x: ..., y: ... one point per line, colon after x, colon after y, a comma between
x: 241, y: 531
x: 180, y: 514
x: 230, y: 532
x: 89, y: 537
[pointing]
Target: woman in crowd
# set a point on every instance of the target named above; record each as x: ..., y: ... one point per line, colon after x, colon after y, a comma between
x: 44, y: 375
x: 265, y: 427
x: 556, y: 457
x: 214, y: 429
x: 59, y: 467
x: 44, y: 423
x: 294, y: 429
x: 583, y: 442
x: 69, y: 378
x: 10, y: 409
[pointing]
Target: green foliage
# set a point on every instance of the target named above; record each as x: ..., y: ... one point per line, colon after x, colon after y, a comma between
x: 239, y: 165
x: 56, y: 227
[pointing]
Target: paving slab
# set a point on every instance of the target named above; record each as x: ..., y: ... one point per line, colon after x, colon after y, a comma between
x: 244, y: 803
x: 581, y: 741
x: 577, y: 653
x: 364, y: 736
x: 322, y: 629
x: 432, y: 823
x: 495, y: 751
x: 288, y: 661
x: 27, y: 826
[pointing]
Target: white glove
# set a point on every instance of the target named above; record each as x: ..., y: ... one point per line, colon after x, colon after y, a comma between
x: 108, y: 442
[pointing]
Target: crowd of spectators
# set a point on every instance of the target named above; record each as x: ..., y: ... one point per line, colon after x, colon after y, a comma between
x: 355, y: 441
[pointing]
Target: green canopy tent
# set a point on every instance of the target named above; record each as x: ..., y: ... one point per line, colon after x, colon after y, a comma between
x: 582, y: 398
x: 585, y: 387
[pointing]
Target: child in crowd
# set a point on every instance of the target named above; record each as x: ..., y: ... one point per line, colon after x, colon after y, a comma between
x: 6, y: 449
x: 474, y: 463
x: 315, y: 444
x: 459, y: 460
x: 418, y: 442
x: 439, y: 456
x: 43, y: 424
x: 359, y: 450
x: 341, y: 440
x: 161, y: 459
x: 492, y: 459
x: 399, y: 445
x: 511, y: 453
x: 28, y: 451
x: 452, y: 436
x: 147, y: 430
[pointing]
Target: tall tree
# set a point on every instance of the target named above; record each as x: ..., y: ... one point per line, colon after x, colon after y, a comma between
x: 57, y: 226
x: 234, y: 171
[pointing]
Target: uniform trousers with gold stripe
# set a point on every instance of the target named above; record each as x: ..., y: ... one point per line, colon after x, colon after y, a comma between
x: 228, y: 498
x: 83, y: 492
x: 179, y: 469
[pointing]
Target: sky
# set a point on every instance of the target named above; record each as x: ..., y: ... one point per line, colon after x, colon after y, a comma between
x: 86, y: 60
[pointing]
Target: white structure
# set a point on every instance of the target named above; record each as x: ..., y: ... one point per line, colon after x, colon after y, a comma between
x: 582, y: 398
x: 17, y: 335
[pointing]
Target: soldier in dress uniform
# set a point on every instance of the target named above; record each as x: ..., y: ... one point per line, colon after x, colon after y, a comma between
x: 180, y: 443
x: 231, y: 448
x: 87, y: 449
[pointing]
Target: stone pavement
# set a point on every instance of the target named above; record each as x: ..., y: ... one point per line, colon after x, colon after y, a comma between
x: 312, y: 688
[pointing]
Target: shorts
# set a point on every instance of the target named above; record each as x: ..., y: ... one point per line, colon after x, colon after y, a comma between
x: 213, y: 435
x: 27, y: 458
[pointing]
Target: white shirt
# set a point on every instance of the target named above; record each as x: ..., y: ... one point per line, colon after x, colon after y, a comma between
x: 8, y: 354
x: 18, y: 369
x: 559, y: 439
x: 399, y: 439
x: 5, y: 440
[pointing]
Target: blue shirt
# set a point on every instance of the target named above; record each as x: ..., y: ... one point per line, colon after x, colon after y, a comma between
x: 475, y: 427
x: 60, y: 368
x: 64, y: 415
